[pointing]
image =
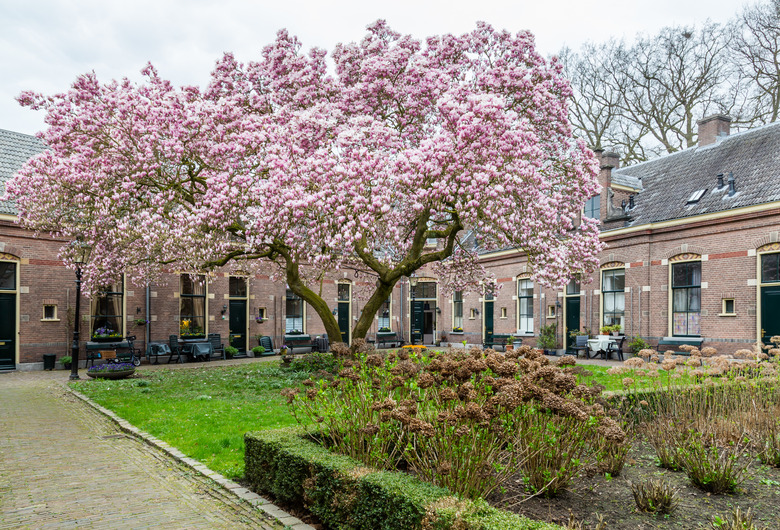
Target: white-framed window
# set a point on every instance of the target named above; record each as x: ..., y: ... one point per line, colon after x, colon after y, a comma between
x: 50, y: 312
x: 613, y: 297
x: 192, y: 306
x: 728, y: 307
x: 457, y: 311
x: 383, y: 315
x: 686, y: 298
x: 107, y: 312
x: 525, y: 306
x: 294, y: 313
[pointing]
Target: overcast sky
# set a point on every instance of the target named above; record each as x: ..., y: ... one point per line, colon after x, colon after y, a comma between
x: 45, y: 44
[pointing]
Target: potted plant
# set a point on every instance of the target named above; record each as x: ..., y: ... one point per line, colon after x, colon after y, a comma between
x: 384, y: 330
x: 258, y: 351
x: 230, y: 351
x: 188, y: 330
x: 510, y: 343
x: 106, y: 334
x: 141, y: 322
x: 457, y: 329
x: 548, y: 339
x: 66, y: 361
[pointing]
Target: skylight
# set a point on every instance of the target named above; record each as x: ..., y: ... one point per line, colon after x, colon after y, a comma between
x: 696, y: 196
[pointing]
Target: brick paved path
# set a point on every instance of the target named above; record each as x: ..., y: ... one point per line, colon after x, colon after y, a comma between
x: 63, y: 465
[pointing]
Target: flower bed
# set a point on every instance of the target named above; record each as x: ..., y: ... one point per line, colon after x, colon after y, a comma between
x: 342, y: 492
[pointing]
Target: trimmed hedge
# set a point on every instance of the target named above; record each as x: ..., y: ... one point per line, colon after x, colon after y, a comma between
x: 344, y: 493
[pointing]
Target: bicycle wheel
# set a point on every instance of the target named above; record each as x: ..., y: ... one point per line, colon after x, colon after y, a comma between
x: 136, y: 360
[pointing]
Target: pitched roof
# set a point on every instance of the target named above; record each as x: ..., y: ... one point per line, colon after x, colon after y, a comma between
x: 753, y: 157
x: 15, y: 150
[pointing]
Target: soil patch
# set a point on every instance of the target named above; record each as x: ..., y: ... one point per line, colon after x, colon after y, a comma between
x: 591, y: 495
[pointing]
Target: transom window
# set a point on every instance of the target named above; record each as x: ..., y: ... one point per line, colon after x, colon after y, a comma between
x: 238, y: 287
x: 686, y: 298
x: 613, y: 292
x: 7, y: 276
x: 424, y: 291
x: 525, y: 306
x: 770, y: 268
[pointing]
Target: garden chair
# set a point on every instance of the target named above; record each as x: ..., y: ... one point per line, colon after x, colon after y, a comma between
x: 581, y: 345
x: 267, y: 343
x: 173, y: 344
x: 616, y: 348
x: 216, y: 344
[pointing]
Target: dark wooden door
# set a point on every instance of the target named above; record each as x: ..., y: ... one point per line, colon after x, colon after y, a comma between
x: 572, y: 318
x: 238, y: 325
x: 7, y: 331
x: 343, y: 318
x: 487, y: 321
x: 770, y: 312
x: 418, y: 322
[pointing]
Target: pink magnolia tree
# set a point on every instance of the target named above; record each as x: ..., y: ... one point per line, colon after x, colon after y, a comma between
x: 279, y: 162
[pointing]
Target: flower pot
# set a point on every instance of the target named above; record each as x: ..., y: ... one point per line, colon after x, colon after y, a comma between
x: 106, y: 339
x: 67, y: 365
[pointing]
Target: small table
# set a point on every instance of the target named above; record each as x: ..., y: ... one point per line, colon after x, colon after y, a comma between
x: 194, y: 348
x: 601, y: 343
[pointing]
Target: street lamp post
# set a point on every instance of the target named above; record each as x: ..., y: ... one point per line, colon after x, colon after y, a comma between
x: 82, y: 253
x: 413, y: 291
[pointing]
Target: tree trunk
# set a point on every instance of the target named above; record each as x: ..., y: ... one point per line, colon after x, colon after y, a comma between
x: 381, y: 294
x: 316, y: 302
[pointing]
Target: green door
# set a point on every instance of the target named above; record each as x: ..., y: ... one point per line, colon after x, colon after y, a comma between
x: 7, y: 331
x: 343, y: 319
x: 238, y: 325
x: 770, y: 312
x: 487, y: 321
x: 572, y: 318
x: 418, y: 321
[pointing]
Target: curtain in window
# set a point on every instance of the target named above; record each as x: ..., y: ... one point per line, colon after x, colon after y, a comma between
x: 525, y: 298
x: 106, y: 312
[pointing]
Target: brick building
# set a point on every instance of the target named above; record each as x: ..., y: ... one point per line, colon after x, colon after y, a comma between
x: 693, y: 251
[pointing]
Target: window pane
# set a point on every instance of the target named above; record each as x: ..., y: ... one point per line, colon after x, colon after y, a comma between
x: 573, y: 287
x: 525, y: 288
x: 620, y: 280
x: 609, y: 303
x: 383, y: 315
x: 238, y: 286
x: 679, y: 300
x: 193, y: 285
x: 770, y: 268
x: 620, y: 302
x: 607, y: 281
x: 7, y: 275
x: 343, y: 290
x: 694, y: 299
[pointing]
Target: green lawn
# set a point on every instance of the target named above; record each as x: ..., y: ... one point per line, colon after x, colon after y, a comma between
x: 611, y: 382
x: 203, y: 412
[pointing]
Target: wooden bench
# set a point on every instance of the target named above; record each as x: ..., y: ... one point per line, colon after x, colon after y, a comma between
x: 107, y: 351
x: 679, y: 341
x: 388, y: 337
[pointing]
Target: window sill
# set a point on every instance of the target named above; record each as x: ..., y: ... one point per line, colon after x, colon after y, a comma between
x: 456, y: 333
x: 551, y: 316
x: 50, y: 320
x: 727, y: 314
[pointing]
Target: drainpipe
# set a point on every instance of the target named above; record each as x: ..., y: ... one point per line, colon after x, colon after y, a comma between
x: 148, y: 334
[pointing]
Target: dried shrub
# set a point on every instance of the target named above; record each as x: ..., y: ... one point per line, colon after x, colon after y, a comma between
x: 611, y: 455
x: 739, y: 520
x: 664, y: 436
x: 340, y: 350
x: 655, y: 496
x: 361, y: 346
x: 464, y: 420
x: 713, y: 467
x: 574, y: 524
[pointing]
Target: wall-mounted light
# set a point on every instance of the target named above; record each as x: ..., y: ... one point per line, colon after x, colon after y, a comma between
x: 335, y: 311
x: 476, y: 311
x: 137, y: 310
x: 224, y: 309
x: 438, y: 310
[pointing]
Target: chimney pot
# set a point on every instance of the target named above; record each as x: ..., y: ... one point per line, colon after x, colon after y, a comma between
x: 732, y: 184
x: 720, y: 181
x: 713, y: 127
x: 630, y: 201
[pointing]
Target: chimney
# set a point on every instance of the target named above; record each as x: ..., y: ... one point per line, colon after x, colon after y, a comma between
x: 609, y: 161
x: 720, y: 181
x: 732, y: 184
x: 712, y: 128
x: 631, y: 201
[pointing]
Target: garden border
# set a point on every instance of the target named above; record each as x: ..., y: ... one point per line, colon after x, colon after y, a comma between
x: 344, y: 493
x: 237, y: 490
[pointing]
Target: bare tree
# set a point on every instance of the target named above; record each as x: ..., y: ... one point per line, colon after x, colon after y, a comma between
x: 756, y: 47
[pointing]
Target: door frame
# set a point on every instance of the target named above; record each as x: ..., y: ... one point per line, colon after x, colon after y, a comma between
x: 567, y: 340
x: 10, y: 258
x: 485, y: 301
x: 245, y: 299
x: 349, y: 309
x: 772, y: 248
